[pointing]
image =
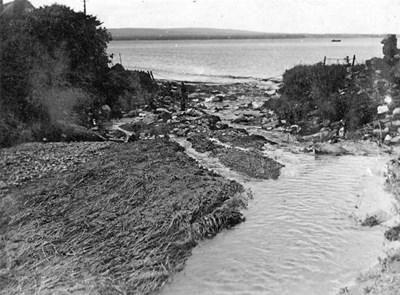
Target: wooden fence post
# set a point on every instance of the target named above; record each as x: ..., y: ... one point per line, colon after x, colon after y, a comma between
x: 324, y: 60
x: 354, y: 60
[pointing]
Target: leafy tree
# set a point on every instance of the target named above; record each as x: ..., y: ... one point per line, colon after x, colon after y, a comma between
x: 49, y: 48
x: 80, y: 35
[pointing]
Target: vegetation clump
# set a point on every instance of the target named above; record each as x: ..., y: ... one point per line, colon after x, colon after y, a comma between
x: 250, y: 162
x: 54, y: 71
x: 324, y: 91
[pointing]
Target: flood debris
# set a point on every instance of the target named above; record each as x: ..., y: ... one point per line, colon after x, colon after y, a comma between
x: 249, y: 162
x: 121, y: 223
x: 393, y: 233
x: 370, y: 221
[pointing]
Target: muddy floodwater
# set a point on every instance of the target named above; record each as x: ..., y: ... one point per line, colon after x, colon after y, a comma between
x: 301, y: 234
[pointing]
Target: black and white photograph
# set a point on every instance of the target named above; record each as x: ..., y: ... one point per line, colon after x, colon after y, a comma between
x: 199, y: 147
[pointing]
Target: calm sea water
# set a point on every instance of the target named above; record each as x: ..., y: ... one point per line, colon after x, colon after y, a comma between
x: 235, y: 60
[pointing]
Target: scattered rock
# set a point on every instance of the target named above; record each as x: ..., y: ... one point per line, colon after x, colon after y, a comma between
x: 150, y: 118
x: 370, y: 221
x: 241, y: 119
x: 393, y: 234
x: 387, y: 139
x: 330, y: 149
x: 193, y: 112
x: 257, y: 105
x: 395, y: 140
x: 131, y: 114
x: 270, y: 125
x: 164, y: 114
x: 383, y: 109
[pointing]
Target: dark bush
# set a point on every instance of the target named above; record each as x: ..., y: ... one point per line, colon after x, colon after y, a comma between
x: 43, y: 55
x: 323, y: 91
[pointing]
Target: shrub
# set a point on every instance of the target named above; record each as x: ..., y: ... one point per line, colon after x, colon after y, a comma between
x: 50, y: 60
x: 324, y: 91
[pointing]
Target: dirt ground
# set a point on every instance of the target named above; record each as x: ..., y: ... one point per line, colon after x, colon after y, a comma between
x: 105, y: 218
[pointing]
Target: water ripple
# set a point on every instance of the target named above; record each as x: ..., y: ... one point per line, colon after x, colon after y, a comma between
x: 298, y: 237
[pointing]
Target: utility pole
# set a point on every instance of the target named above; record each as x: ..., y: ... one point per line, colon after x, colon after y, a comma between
x: 84, y: 6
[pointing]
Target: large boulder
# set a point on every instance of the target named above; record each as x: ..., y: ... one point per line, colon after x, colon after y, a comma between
x: 163, y: 114
x: 389, y: 48
x: 211, y: 121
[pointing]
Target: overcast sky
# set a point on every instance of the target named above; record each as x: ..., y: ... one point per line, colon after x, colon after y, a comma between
x: 292, y: 16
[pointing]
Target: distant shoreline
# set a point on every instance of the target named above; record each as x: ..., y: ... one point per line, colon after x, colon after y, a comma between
x: 130, y: 34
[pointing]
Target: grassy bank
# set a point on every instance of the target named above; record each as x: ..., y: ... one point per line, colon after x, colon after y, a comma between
x: 119, y: 223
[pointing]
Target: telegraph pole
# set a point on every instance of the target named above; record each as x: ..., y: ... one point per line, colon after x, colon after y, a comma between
x: 84, y: 6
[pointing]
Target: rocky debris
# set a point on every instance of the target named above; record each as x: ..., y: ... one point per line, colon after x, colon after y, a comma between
x: 163, y: 114
x: 131, y: 114
x: 376, y: 218
x: 27, y: 162
x: 329, y: 149
x: 370, y: 221
x: 149, y: 118
x: 393, y: 233
x: 393, y: 177
x: 241, y: 119
x: 383, y: 109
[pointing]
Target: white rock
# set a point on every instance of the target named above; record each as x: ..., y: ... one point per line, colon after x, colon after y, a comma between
x: 396, y: 112
x: 257, y: 104
x: 341, y: 132
x: 383, y: 109
x: 395, y: 139
x: 270, y: 92
x: 387, y: 139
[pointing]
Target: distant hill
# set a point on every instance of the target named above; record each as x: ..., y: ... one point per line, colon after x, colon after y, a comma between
x: 205, y: 33
x: 192, y: 33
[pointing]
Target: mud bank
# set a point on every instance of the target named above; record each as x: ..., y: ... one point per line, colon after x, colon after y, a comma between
x: 122, y: 221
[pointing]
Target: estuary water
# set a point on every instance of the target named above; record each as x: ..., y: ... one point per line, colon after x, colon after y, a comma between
x: 301, y: 234
x: 227, y: 61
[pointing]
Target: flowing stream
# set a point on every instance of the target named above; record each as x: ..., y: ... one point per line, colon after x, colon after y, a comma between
x: 301, y: 234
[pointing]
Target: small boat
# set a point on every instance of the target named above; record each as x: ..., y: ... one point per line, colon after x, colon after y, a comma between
x: 336, y: 40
